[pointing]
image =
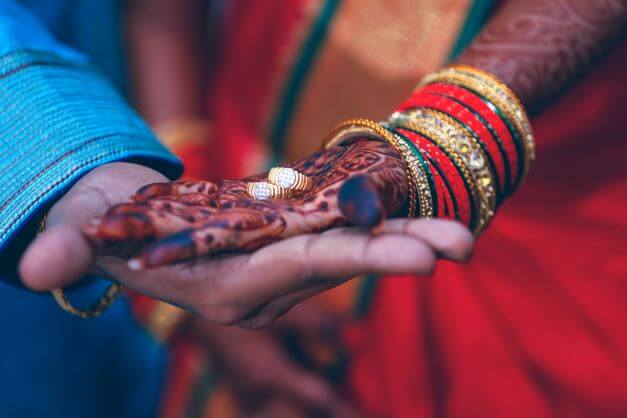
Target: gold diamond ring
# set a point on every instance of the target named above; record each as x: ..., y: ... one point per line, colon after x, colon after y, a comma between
x: 290, y: 179
x: 262, y: 190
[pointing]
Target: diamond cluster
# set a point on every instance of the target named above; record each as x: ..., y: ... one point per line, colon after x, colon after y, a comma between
x: 261, y: 191
x: 286, y: 178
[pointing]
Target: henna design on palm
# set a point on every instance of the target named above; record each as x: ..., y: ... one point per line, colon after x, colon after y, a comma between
x: 359, y: 183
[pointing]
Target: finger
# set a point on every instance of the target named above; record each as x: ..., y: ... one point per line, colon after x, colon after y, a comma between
x: 449, y: 239
x: 278, y: 407
x: 62, y: 254
x: 139, y: 222
x: 226, y: 289
x: 309, y: 390
x: 309, y: 321
x: 175, y: 188
x: 135, y: 223
x: 240, y: 229
x: 56, y: 258
x: 359, y: 201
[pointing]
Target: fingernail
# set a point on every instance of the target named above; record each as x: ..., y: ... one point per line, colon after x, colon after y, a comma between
x: 135, y: 264
x: 94, y: 222
x: 359, y: 201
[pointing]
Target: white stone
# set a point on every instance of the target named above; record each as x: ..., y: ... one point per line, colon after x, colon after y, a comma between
x: 286, y: 178
x: 261, y: 191
x: 477, y: 162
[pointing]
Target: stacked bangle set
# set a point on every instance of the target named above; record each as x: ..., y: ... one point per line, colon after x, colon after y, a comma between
x: 466, y: 141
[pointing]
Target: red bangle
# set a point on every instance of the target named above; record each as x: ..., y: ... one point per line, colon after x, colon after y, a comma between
x: 496, y: 158
x: 444, y: 194
x: 490, y: 119
x: 460, y: 197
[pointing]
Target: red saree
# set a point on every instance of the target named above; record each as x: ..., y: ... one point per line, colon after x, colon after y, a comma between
x: 534, y: 326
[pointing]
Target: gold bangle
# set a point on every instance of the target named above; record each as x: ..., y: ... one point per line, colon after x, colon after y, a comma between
x: 503, y: 90
x: 430, y: 130
x: 500, y: 96
x: 95, y: 310
x: 416, y: 178
x: 468, y: 147
x: 101, y: 305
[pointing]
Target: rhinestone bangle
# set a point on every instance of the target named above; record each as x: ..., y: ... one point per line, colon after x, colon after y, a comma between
x: 442, y: 140
x: 471, y: 151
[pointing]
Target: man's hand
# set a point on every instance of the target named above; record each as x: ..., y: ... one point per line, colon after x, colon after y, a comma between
x: 62, y: 254
x: 267, y: 380
x: 249, y: 289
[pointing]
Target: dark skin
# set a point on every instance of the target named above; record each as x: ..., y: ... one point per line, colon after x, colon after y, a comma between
x: 540, y: 47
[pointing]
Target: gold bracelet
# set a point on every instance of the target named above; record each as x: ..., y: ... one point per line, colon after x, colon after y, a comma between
x: 430, y: 130
x: 500, y: 96
x: 101, y: 305
x: 416, y: 178
x: 95, y: 310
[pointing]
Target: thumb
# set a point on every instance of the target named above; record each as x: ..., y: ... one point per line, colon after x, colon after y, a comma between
x: 62, y: 254
x: 360, y: 202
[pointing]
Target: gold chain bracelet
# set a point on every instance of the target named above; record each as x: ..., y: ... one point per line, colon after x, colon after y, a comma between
x: 101, y: 305
x: 94, y: 311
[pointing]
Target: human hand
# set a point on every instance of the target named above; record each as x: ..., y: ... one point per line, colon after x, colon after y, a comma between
x: 358, y: 184
x: 248, y: 289
x: 62, y: 254
x: 266, y: 380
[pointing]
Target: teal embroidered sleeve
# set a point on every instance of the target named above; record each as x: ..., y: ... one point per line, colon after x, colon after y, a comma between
x: 59, y: 118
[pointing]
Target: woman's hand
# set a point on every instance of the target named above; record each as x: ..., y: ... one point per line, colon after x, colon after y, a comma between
x: 254, y: 288
x: 359, y: 184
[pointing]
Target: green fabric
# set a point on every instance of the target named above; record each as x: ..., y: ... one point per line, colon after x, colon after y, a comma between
x: 298, y: 78
x: 478, y: 14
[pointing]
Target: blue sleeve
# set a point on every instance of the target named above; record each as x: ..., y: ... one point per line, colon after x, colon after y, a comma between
x: 59, y: 119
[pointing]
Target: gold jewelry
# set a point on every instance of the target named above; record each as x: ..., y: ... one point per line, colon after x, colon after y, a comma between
x: 416, y: 177
x: 288, y: 178
x: 106, y: 300
x: 467, y: 146
x: 262, y: 190
x: 430, y: 130
x: 499, y: 95
x: 97, y: 309
x: 503, y: 90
